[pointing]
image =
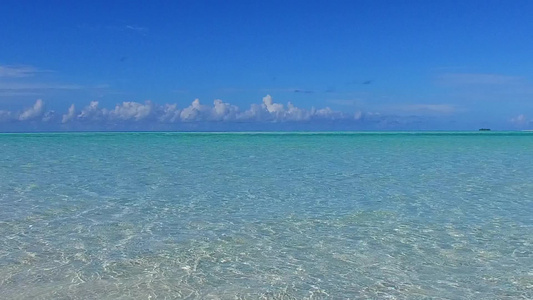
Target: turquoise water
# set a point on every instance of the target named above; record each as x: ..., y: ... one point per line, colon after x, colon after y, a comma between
x: 266, y: 216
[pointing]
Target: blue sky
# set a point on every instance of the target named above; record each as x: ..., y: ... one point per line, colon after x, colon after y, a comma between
x: 345, y: 65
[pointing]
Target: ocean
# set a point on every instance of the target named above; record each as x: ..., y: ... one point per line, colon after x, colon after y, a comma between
x: 364, y: 215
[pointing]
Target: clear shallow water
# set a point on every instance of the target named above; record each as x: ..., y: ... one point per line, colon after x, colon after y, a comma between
x: 266, y: 216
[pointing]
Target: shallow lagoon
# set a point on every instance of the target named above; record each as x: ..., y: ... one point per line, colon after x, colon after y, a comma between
x: 266, y: 215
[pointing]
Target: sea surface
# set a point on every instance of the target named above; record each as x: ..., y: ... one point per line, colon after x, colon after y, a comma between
x: 401, y: 215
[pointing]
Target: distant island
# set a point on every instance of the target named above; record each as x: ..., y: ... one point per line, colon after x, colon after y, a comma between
x: 484, y: 129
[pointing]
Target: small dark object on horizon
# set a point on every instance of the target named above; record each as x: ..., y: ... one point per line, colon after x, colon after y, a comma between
x: 484, y: 129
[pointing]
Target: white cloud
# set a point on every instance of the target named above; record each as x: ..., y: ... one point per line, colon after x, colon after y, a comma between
x: 223, y: 111
x: 271, y: 111
x: 70, y: 115
x: 256, y: 112
x: 92, y: 112
x: 169, y: 113
x: 268, y: 111
x: 131, y: 111
x: 32, y: 112
x: 271, y: 107
x: 327, y: 113
x: 294, y: 113
x: 193, y: 112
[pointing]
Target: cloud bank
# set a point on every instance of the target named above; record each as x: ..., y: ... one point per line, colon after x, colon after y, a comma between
x: 221, y: 115
x: 219, y: 111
